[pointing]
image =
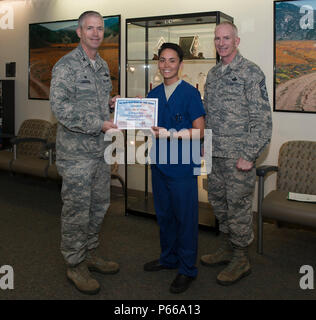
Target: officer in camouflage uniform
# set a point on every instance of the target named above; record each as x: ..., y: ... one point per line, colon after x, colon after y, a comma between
x: 79, y: 97
x: 239, y: 114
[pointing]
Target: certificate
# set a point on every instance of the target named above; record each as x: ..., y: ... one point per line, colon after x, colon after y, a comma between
x: 136, y: 113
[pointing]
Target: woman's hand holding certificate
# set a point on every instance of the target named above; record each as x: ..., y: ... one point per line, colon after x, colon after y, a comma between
x: 136, y: 113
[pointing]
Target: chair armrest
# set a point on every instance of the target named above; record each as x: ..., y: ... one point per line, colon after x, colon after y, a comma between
x: 12, y: 139
x: 21, y: 140
x: 263, y: 170
x: 50, y: 146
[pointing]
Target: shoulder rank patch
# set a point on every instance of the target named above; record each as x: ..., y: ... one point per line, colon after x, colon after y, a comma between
x: 263, y: 89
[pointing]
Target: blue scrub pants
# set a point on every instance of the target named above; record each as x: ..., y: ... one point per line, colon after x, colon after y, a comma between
x: 176, y: 206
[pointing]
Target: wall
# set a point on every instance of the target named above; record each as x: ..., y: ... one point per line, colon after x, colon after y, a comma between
x: 253, y: 18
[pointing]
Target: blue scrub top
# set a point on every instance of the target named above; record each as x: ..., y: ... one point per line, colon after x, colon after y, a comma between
x: 183, y: 107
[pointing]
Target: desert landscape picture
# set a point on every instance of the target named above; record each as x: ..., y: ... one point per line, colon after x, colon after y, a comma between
x: 295, y: 56
x: 50, y: 41
x: 295, y: 75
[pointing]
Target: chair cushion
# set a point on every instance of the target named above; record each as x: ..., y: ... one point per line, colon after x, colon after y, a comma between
x: 276, y: 205
x: 52, y: 172
x: 5, y: 158
x: 28, y: 165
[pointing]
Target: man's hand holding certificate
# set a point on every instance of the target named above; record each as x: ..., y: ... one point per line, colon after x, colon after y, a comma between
x: 136, y: 113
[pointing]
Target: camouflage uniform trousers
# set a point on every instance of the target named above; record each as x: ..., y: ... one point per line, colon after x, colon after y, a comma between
x: 230, y: 192
x: 86, y: 198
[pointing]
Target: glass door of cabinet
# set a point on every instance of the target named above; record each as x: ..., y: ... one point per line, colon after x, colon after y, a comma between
x: 195, y: 34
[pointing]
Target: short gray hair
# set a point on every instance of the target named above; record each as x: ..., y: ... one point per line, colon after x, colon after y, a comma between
x: 88, y: 14
x: 233, y: 26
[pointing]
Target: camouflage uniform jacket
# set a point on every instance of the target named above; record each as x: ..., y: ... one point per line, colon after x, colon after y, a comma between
x: 237, y: 110
x: 79, y: 97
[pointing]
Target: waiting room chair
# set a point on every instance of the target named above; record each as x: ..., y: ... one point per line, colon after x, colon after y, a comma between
x: 28, y: 147
x: 296, y: 172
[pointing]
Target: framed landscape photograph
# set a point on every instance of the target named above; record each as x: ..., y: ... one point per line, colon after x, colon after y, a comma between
x: 295, y: 56
x: 49, y: 41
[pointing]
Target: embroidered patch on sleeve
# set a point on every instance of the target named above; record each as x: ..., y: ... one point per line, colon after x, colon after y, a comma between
x: 263, y: 89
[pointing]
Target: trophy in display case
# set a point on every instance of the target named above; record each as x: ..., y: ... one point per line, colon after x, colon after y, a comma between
x: 160, y: 42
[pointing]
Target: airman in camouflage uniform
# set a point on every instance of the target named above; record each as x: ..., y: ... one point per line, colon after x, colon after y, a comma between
x: 239, y: 114
x: 79, y: 97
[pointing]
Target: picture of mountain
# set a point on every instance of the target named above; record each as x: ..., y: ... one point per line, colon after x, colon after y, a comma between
x: 295, y: 56
x: 48, y: 42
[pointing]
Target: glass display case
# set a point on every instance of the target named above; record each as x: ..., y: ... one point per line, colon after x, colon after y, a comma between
x: 195, y: 34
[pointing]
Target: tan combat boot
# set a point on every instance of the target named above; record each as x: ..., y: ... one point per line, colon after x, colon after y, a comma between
x: 80, y: 276
x: 238, y: 268
x: 98, y: 264
x: 222, y: 255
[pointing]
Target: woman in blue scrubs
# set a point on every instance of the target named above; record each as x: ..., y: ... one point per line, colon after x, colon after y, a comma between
x: 174, y: 179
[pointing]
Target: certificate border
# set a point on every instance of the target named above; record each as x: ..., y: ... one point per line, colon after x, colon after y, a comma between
x: 117, y: 105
